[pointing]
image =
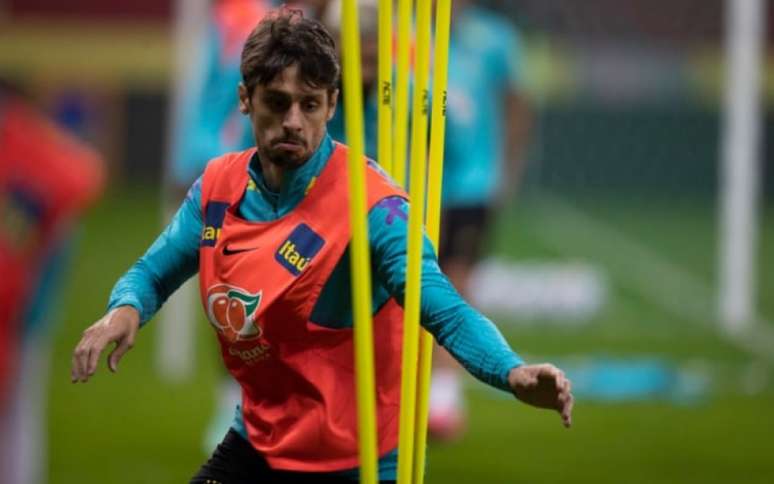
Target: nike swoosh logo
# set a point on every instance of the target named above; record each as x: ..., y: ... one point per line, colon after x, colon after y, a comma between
x: 229, y: 251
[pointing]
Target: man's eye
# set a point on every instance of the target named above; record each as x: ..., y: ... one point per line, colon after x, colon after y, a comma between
x: 311, y: 105
x: 276, y: 103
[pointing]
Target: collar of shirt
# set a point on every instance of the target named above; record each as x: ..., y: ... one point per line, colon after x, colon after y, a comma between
x: 262, y: 204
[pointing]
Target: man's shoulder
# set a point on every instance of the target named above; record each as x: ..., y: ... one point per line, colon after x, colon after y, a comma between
x: 226, y: 173
x: 229, y: 159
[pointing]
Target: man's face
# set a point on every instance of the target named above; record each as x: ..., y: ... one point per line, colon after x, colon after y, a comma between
x: 288, y: 116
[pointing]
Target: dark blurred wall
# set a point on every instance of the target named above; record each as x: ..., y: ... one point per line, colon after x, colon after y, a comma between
x: 146, y: 135
x: 639, y: 150
x: 101, y: 68
x: 107, y: 9
x: 643, y: 110
x: 630, y: 20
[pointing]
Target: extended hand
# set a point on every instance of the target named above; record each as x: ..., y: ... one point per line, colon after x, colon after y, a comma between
x: 543, y: 386
x: 119, y: 326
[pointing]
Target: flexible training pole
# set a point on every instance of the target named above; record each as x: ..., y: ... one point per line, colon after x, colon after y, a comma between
x: 384, y: 150
x: 401, y: 93
x: 361, y: 265
x: 415, y: 239
x: 433, y: 218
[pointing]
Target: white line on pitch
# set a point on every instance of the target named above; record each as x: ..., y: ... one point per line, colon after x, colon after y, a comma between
x: 674, y: 289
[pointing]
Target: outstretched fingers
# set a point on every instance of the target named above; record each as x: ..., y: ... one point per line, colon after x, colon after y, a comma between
x: 81, y: 358
x: 543, y: 386
x: 119, y: 326
x: 119, y: 351
x: 95, y: 351
x: 89, y: 349
x: 86, y: 356
x: 566, y: 410
x: 564, y: 399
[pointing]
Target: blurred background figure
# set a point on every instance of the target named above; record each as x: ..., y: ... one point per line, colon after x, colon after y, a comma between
x: 484, y: 155
x: 369, y: 52
x: 47, y: 178
x: 209, y: 123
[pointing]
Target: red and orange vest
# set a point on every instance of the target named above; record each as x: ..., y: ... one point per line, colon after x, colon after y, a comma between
x: 259, y: 283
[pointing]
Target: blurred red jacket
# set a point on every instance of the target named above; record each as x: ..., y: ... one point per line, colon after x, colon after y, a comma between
x: 46, y: 178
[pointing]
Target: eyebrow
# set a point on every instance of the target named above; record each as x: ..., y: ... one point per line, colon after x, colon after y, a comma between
x: 276, y: 92
x: 303, y: 94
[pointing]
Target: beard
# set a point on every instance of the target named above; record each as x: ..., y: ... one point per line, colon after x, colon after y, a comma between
x: 285, y: 158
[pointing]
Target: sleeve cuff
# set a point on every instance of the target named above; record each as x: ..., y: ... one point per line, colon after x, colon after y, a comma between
x: 507, y: 364
x: 130, y: 301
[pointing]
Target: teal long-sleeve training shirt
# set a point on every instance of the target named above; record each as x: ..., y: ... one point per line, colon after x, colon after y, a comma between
x: 469, y: 336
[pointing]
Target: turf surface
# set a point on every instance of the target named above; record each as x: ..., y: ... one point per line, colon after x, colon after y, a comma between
x: 133, y: 428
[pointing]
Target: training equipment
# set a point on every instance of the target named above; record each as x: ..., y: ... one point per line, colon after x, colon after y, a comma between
x: 433, y: 214
x: 416, y: 364
x: 413, y: 292
x: 361, y: 264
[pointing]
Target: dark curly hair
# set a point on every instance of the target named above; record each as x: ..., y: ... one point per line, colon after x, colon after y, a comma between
x: 284, y: 37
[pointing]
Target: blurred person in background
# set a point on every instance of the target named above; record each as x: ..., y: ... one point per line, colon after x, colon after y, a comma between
x: 287, y: 338
x: 487, y: 122
x: 210, y: 122
x: 47, y: 178
x: 368, y: 16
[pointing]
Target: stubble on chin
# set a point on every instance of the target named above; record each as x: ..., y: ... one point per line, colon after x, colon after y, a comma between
x: 283, y: 159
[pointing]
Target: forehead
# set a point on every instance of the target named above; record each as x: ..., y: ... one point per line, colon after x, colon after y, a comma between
x: 289, y: 81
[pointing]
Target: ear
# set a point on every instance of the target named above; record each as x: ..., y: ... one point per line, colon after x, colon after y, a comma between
x: 244, y: 99
x: 332, y: 102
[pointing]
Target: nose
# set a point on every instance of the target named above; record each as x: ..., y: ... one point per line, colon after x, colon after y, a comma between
x: 293, y: 118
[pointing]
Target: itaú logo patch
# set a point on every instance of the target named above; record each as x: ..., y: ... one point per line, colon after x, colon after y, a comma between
x: 214, y: 214
x: 232, y: 310
x: 297, y: 251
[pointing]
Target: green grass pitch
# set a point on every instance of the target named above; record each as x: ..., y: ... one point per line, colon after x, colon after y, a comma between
x: 131, y: 428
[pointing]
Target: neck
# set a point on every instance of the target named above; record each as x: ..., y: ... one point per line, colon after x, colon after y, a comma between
x: 272, y: 174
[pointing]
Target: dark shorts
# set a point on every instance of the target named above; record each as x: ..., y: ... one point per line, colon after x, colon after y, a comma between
x: 463, y: 232
x: 235, y: 461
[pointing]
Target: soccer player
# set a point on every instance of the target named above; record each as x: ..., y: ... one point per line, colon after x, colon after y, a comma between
x: 265, y: 231
x: 208, y: 124
x: 485, y: 104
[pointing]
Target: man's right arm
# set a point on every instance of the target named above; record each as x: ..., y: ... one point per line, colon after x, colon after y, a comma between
x: 137, y: 296
x: 167, y: 264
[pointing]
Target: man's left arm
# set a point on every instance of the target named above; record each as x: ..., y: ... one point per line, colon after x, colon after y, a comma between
x: 469, y: 336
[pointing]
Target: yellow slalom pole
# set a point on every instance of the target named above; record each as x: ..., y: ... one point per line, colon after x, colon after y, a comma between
x: 401, y: 92
x: 361, y: 265
x: 433, y: 217
x: 415, y: 239
x: 384, y: 141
